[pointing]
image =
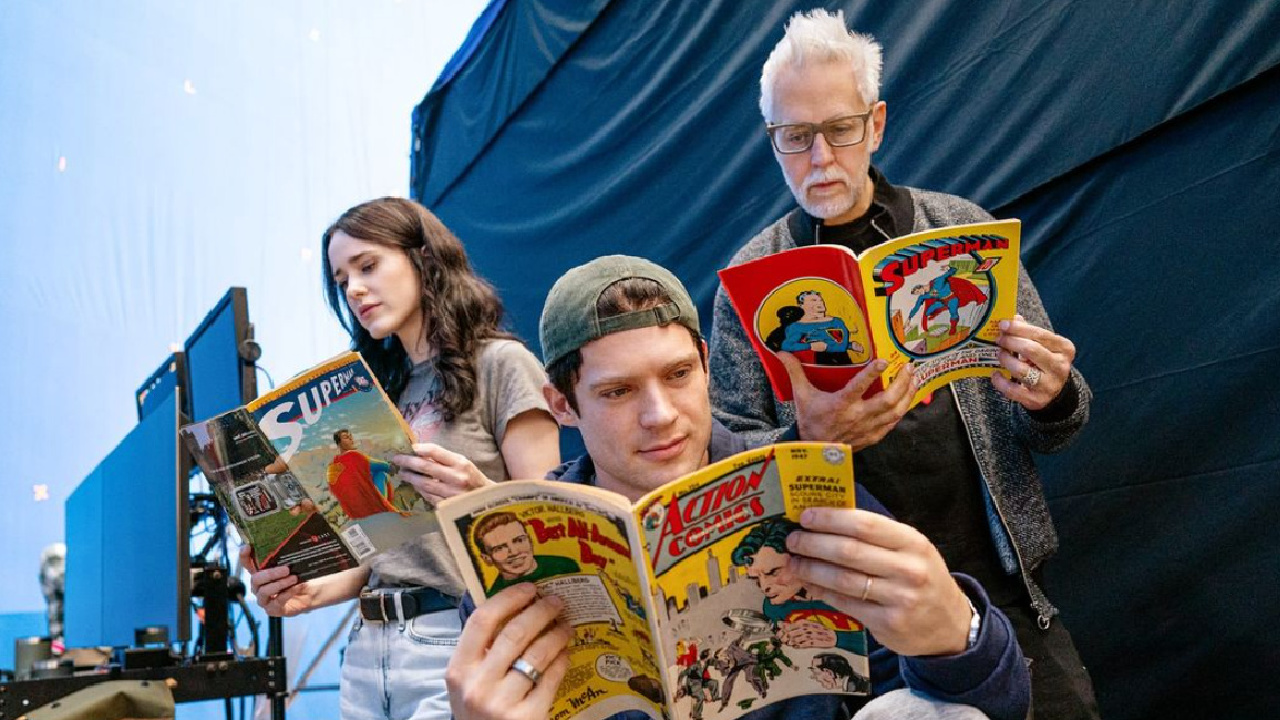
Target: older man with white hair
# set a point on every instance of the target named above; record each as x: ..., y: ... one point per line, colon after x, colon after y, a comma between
x: 959, y: 466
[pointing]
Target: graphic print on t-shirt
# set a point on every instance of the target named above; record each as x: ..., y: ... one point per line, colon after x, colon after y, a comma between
x: 422, y: 410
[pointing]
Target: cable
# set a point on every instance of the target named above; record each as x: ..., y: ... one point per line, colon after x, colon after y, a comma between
x: 271, y: 384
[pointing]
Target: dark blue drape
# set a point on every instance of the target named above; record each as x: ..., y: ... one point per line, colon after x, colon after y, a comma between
x: 1137, y: 142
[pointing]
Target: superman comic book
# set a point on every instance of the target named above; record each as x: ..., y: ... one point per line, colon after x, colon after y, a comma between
x: 305, y: 473
x: 933, y: 299
x: 681, y: 603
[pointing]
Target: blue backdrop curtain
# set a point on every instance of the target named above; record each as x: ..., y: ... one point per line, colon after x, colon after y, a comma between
x: 1137, y: 142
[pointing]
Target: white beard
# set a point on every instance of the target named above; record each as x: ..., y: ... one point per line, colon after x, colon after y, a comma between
x: 830, y: 206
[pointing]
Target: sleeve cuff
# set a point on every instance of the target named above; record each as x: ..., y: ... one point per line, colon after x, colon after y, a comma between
x: 991, y: 675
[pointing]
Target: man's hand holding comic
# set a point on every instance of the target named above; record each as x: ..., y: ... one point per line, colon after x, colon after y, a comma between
x: 1038, y: 360
x: 513, y: 627
x: 884, y: 573
x: 844, y: 415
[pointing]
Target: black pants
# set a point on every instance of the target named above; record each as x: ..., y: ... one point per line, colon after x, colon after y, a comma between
x: 1060, y: 685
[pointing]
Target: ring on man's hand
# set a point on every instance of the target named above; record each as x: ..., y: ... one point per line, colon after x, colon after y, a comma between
x: 1031, y: 378
x: 525, y: 668
x: 866, y: 588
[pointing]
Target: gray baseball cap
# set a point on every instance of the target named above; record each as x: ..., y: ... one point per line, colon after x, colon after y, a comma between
x: 569, y: 319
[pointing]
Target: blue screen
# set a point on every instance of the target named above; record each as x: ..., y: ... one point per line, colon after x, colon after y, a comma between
x: 214, y: 364
x: 126, y: 539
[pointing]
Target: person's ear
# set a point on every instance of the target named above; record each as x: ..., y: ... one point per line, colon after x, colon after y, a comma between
x: 561, y: 410
x: 877, y: 125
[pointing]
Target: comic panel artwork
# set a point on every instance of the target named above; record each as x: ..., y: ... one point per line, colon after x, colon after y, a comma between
x: 580, y: 552
x: 815, y: 319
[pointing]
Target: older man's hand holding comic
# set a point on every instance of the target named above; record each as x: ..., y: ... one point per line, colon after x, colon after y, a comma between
x: 1038, y: 360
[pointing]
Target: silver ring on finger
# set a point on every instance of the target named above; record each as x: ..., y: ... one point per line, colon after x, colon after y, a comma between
x: 526, y: 668
x: 1031, y: 379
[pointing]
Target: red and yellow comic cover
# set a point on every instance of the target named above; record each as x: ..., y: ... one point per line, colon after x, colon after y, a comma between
x: 933, y: 298
x: 737, y: 629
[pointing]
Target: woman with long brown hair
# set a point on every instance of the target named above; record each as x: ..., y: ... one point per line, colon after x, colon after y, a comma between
x: 432, y: 331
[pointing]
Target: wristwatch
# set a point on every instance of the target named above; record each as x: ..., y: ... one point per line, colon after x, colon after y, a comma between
x: 975, y: 624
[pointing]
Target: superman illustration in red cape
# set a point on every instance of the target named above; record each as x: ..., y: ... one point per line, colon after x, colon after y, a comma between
x: 352, y: 482
x: 945, y: 292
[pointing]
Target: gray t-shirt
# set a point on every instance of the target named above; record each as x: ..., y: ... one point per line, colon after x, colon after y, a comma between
x: 508, y: 382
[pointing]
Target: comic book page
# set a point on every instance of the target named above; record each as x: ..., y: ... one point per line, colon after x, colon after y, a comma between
x: 809, y: 302
x: 936, y: 299
x: 739, y: 631
x: 574, y: 542
x: 338, y: 431
x: 267, y: 505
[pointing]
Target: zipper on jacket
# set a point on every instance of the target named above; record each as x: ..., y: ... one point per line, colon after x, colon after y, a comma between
x: 1041, y: 620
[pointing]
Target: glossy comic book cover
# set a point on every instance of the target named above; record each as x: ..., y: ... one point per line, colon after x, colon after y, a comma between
x: 738, y: 631
x: 268, y: 507
x: 933, y: 298
x: 329, y: 435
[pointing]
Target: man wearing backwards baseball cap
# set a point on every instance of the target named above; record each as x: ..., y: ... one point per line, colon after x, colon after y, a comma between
x: 627, y: 367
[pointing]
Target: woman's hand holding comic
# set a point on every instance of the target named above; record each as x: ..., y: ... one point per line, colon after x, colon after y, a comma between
x: 438, y: 473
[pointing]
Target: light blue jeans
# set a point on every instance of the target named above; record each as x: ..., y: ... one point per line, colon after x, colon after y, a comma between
x: 395, y: 671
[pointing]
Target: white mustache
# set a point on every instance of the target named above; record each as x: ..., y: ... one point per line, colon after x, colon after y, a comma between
x: 831, y: 175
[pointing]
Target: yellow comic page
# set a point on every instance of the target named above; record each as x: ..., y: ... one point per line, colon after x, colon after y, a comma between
x: 572, y: 542
x: 936, y: 298
x: 736, y: 629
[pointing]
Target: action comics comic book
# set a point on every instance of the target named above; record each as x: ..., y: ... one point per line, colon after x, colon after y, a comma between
x: 933, y: 298
x: 305, y: 472
x: 681, y: 604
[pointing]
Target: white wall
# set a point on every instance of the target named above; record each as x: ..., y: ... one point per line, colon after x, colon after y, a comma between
x: 153, y: 153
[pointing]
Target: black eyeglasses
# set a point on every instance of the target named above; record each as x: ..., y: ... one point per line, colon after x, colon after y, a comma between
x: 792, y: 138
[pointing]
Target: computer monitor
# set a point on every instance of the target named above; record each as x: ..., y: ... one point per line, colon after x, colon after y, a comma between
x: 126, y: 530
x: 220, y: 358
x: 161, y: 384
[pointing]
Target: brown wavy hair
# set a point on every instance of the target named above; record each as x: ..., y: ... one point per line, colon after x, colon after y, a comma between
x: 459, y: 308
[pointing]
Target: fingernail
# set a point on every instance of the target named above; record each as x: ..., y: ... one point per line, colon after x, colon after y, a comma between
x: 808, y: 516
x: 554, y: 601
x: 792, y: 542
x: 1004, y: 324
x: 882, y: 364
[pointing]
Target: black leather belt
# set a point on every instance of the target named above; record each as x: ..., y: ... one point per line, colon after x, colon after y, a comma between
x: 382, y: 607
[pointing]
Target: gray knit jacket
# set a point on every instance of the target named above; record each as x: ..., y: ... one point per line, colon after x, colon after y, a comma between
x: 1002, y: 434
